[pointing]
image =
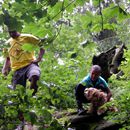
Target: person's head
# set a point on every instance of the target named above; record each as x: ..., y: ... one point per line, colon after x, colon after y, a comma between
x: 95, y: 72
x: 14, y: 33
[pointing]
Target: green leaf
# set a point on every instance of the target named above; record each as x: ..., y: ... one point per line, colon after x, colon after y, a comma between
x: 1, y: 18
x: 18, y: 1
x: 18, y: 6
x: 54, y: 12
x: 121, y: 11
x: 69, y: 5
x: 96, y: 28
x: 109, y: 26
x: 27, y: 18
x: 20, y: 89
x: 40, y: 13
x: 81, y: 2
x: 86, y: 19
x: 52, y: 2
x: 46, y: 115
x: 31, y: 117
x: 5, y: 5
x: 122, y: 14
x: 35, y: 29
x: 96, y: 2
x: 111, y: 11
x: 29, y: 47
x: 26, y: 99
x: 55, y: 125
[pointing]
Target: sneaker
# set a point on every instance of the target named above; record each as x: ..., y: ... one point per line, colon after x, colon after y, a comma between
x: 81, y: 111
x: 11, y: 87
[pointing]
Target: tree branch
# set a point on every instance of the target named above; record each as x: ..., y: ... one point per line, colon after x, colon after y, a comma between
x: 62, y: 9
x: 100, y: 11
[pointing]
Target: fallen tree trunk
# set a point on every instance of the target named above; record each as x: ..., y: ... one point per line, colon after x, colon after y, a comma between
x: 118, y: 57
x: 92, y: 122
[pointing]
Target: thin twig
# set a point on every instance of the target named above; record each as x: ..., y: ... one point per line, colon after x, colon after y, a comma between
x: 62, y: 9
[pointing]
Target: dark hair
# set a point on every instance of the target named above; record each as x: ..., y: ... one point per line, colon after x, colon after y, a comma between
x: 12, y: 31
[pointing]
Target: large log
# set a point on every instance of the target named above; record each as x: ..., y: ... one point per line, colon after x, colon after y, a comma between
x: 103, y: 62
x: 92, y: 122
x: 118, y: 57
x: 110, y: 61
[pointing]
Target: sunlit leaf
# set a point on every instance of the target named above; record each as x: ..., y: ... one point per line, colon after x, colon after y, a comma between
x: 87, y: 19
x: 96, y: 28
x: 97, y: 2
x: 111, y: 11
x: 108, y: 26
x: 55, y: 11
x: 69, y: 5
x: 18, y: 6
x: 29, y: 47
x: 122, y: 11
x: 81, y: 2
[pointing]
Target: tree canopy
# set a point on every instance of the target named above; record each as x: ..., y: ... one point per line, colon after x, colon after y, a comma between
x: 75, y: 31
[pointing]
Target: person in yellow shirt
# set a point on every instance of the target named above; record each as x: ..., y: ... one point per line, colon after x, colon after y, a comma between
x: 23, y: 62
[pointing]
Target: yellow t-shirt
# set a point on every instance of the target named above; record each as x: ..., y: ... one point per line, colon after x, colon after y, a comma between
x: 18, y: 57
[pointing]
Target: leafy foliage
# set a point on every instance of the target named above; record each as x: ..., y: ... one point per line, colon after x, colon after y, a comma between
x: 70, y: 29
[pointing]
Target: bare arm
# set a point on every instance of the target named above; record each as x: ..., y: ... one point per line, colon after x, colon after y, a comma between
x: 6, y: 67
x: 40, y: 55
x: 109, y: 94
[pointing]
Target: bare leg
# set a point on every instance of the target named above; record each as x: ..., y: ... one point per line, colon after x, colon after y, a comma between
x: 34, y: 85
